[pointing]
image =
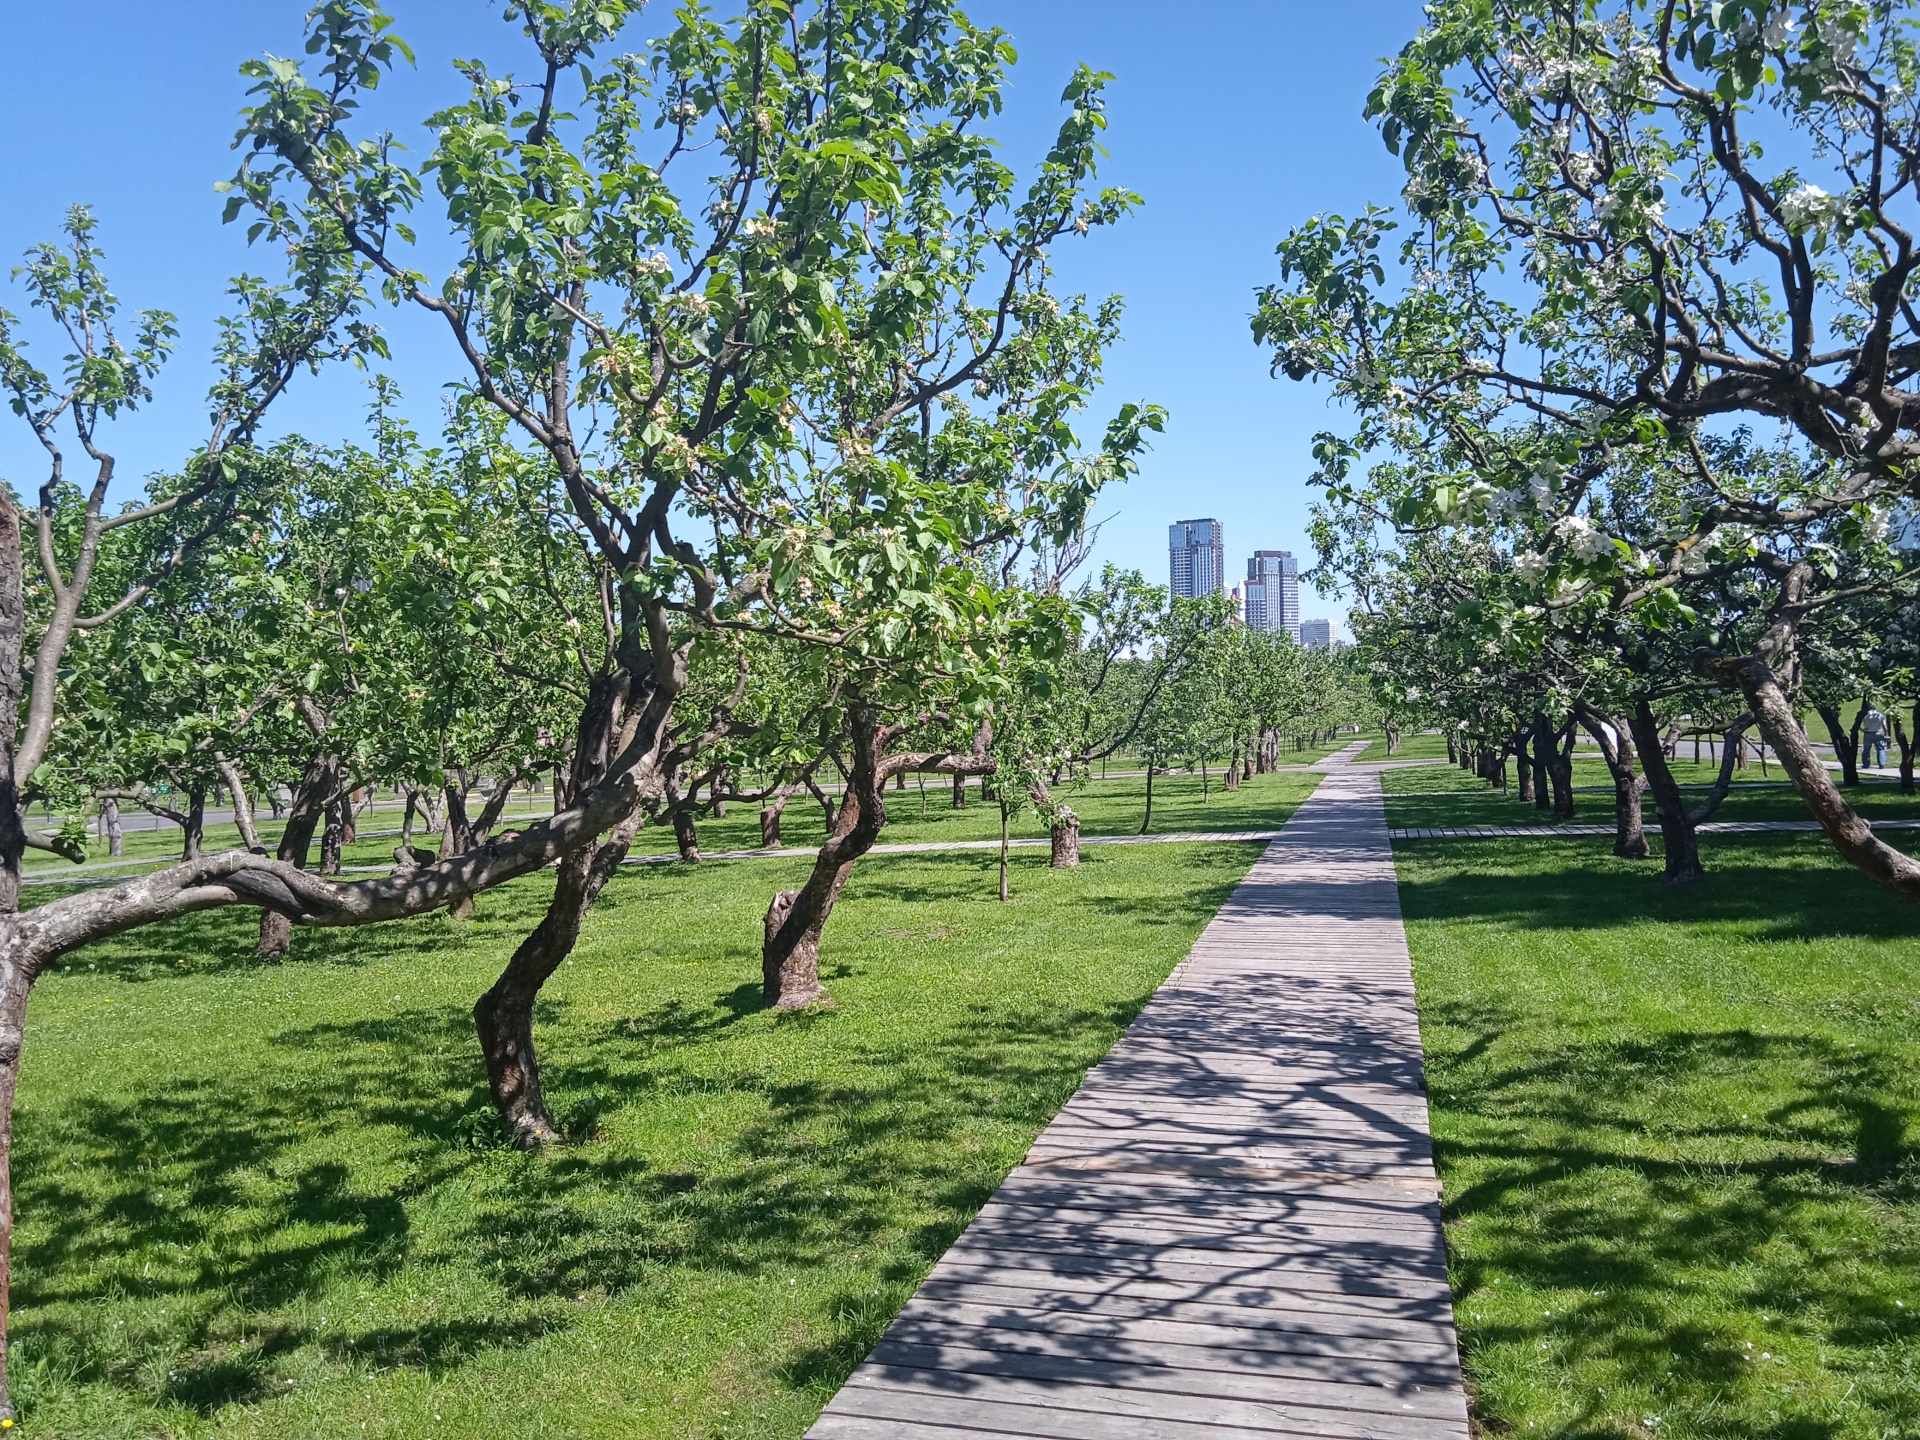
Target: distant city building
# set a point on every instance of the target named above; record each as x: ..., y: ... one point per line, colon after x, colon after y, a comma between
x: 1273, y: 592
x: 1196, y: 558
x: 1316, y: 634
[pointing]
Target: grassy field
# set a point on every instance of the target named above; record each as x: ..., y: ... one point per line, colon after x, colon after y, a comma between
x: 1181, y: 802
x: 1444, y: 796
x: 1414, y: 746
x: 1676, y: 1133
x: 268, y: 1200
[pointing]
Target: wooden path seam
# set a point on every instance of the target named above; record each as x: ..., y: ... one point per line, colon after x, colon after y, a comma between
x: 1233, y: 1227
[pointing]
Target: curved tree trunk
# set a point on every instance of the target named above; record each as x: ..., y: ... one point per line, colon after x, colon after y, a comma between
x: 1616, y: 748
x: 1731, y: 746
x: 796, y: 919
x: 685, y: 837
x: 1850, y: 833
x: 1844, y: 748
x: 243, y: 820
x: 1542, y: 744
x: 503, y: 1017
x: 1905, y: 741
x: 1682, y: 866
x: 311, y: 798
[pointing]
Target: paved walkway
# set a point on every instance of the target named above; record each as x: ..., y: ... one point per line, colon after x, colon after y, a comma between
x: 1712, y: 827
x: 1233, y: 1228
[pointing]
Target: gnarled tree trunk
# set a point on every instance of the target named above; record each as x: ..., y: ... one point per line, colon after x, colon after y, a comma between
x: 1845, y: 748
x: 616, y: 704
x: 1906, y: 743
x: 1616, y: 748
x: 311, y: 798
x: 685, y: 838
x: 796, y: 919
x: 1066, y: 839
x: 1682, y: 862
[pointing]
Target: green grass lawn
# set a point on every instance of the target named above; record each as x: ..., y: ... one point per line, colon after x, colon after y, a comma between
x: 267, y: 1200
x: 1181, y: 803
x: 1414, y: 745
x: 162, y: 846
x: 1444, y: 796
x: 1676, y: 1131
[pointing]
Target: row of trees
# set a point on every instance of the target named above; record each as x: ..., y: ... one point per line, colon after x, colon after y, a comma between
x: 760, y: 469
x: 1635, y: 400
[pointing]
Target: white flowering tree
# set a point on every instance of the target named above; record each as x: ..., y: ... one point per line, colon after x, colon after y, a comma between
x: 1600, y: 258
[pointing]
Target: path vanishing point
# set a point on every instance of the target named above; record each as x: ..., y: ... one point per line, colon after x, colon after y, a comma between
x: 1233, y: 1228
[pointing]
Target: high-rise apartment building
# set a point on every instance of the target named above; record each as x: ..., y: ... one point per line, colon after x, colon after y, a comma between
x: 1196, y: 558
x: 1273, y: 592
x: 1316, y: 634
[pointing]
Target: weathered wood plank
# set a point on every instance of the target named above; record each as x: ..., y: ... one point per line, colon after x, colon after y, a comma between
x: 1233, y: 1226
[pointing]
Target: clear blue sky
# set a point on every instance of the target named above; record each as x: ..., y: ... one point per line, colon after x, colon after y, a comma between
x: 1234, y: 119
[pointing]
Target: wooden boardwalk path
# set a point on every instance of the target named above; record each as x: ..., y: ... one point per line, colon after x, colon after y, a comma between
x: 1233, y: 1227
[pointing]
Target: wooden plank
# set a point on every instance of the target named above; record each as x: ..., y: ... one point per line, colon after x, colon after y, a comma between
x: 1262, y: 1416
x: 1232, y: 1228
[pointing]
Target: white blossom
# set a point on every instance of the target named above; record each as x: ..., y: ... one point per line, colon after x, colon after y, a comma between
x: 1778, y: 27
x: 1808, y: 208
x: 1530, y: 566
x: 1583, y: 538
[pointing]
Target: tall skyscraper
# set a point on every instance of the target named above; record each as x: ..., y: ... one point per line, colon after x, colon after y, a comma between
x: 1273, y: 592
x: 1316, y: 634
x: 1196, y: 558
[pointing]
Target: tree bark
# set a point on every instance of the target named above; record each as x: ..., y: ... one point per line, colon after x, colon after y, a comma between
x: 1147, y: 818
x: 116, y: 838
x: 1066, y: 840
x: 1731, y: 747
x: 1850, y: 833
x: 796, y: 919
x: 1557, y: 751
x: 685, y: 838
x: 770, y: 819
x: 503, y: 1017
x: 1843, y: 746
x: 1542, y: 744
x: 1906, y: 743
x: 310, y: 799
x: 243, y: 820
x: 330, y: 838
x: 1682, y: 861
x: 959, y: 792
x: 1616, y: 748
x: 1523, y: 767
x: 1003, y: 852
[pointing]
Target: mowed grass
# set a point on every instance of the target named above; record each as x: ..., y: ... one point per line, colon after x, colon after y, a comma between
x: 1182, y: 804
x: 268, y: 1200
x: 1676, y: 1131
x: 1414, y: 745
x: 1433, y: 796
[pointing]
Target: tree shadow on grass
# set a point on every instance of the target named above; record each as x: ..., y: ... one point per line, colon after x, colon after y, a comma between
x: 1670, y: 1189
x: 1788, y: 887
x: 263, y: 1193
